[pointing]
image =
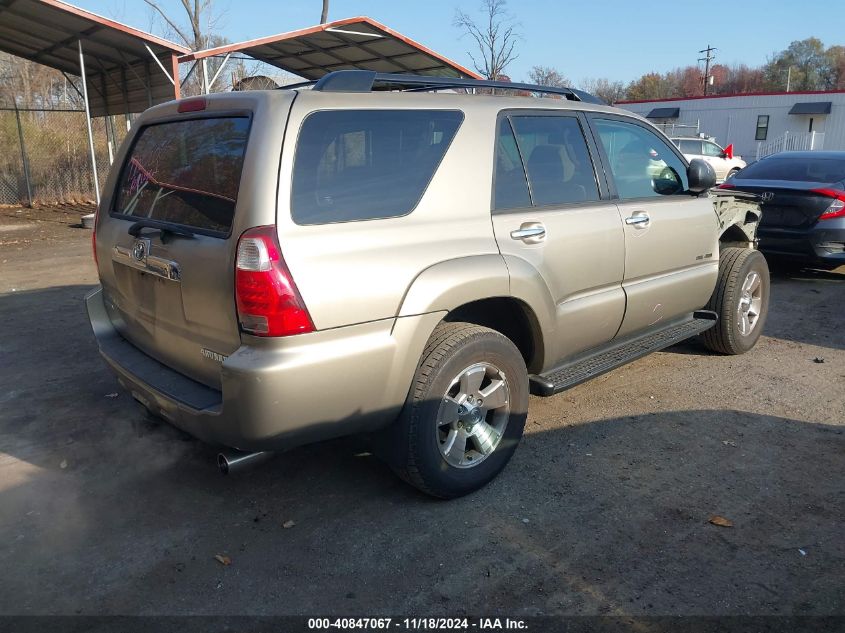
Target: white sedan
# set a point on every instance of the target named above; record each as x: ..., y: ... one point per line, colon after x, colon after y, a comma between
x: 723, y: 161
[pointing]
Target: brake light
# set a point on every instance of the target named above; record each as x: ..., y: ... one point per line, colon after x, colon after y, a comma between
x: 726, y: 185
x: 837, y: 206
x: 268, y: 301
x: 197, y: 104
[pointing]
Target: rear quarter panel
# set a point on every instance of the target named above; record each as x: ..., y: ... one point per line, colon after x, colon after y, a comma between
x: 361, y: 271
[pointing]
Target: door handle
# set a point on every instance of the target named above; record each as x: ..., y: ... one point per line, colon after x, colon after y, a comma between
x: 639, y: 220
x: 530, y: 232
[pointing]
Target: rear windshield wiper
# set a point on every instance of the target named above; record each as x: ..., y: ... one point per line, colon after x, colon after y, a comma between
x: 165, y: 227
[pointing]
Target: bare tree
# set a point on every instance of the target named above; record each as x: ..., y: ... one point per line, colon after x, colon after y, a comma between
x: 605, y: 89
x: 495, y: 38
x: 199, y: 34
x: 548, y: 76
x: 324, y: 16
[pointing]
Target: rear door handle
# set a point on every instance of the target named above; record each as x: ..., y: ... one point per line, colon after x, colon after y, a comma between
x: 639, y: 220
x: 529, y: 232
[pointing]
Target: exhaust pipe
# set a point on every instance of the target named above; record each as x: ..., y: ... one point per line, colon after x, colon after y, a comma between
x: 234, y: 461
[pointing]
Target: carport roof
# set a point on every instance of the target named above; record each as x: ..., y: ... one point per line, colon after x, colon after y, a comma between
x: 127, y: 70
x: 353, y: 43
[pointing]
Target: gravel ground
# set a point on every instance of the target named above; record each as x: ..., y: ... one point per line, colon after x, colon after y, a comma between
x: 603, y: 510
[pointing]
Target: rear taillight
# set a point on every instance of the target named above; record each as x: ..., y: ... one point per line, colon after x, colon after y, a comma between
x: 837, y: 205
x: 268, y: 301
x: 726, y: 185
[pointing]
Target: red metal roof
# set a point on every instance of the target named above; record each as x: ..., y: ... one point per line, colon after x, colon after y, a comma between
x: 353, y: 43
x: 122, y: 74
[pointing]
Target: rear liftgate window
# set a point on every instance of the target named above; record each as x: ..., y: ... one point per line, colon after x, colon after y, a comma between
x: 367, y: 164
x: 185, y: 173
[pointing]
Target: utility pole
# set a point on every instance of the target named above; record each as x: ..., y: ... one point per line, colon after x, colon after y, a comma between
x: 708, y: 57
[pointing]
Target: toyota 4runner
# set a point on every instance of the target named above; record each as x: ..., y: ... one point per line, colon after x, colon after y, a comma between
x: 372, y: 254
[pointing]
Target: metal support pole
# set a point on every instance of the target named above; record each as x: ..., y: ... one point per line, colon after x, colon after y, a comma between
x: 205, y: 86
x: 88, y: 121
x: 24, y: 160
x: 219, y: 70
x: 174, y: 69
x: 110, y: 139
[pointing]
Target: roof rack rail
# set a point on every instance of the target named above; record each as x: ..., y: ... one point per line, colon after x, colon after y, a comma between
x: 364, y: 80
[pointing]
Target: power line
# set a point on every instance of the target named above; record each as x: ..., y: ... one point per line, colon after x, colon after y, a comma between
x: 708, y: 57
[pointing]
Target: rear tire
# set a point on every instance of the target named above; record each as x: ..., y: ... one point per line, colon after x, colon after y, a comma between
x: 741, y: 299
x: 465, y: 412
x: 731, y: 174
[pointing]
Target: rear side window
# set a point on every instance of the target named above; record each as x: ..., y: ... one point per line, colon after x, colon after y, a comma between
x: 367, y: 164
x: 185, y: 172
x: 690, y: 147
x: 511, y: 187
x: 556, y: 158
x: 799, y: 169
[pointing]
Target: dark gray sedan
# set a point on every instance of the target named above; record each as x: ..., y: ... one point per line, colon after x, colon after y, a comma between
x: 802, y: 196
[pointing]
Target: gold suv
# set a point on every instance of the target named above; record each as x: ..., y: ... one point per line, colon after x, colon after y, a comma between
x: 372, y: 254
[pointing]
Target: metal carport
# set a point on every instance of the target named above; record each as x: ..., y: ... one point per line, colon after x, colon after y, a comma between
x: 123, y: 70
x: 358, y: 42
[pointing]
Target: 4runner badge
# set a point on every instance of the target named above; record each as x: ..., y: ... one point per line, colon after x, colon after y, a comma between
x: 212, y: 355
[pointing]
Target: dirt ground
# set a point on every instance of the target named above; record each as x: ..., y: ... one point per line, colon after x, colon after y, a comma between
x: 603, y: 510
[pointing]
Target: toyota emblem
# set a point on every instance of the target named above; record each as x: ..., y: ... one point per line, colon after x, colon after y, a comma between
x: 140, y: 249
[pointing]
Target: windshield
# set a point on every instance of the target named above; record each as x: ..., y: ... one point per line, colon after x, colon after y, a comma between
x: 185, y: 173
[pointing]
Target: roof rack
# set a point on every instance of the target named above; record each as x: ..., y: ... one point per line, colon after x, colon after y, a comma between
x: 364, y: 80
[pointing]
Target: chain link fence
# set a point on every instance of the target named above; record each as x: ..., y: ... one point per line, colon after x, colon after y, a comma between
x: 44, y: 155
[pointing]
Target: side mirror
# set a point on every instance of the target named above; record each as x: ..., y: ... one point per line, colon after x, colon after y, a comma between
x: 700, y: 175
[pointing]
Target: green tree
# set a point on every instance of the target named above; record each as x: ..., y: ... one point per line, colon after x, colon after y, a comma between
x: 803, y: 64
x: 834, y: 71
x: 649, y: 86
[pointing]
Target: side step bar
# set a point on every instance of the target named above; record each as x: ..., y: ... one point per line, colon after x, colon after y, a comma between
x: 600, y: 361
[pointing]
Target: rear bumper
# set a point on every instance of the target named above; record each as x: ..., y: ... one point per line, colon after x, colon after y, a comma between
x: 824, y: 244
x: 279, y: 393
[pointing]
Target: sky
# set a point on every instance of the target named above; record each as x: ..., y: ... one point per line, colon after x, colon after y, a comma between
x: 616, y: 39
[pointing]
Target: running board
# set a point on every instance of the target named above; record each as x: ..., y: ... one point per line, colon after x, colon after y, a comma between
x: 598, y: 362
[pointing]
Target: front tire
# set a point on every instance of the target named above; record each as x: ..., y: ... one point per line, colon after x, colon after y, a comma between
x: 741, y: 299
x: 465, y: 413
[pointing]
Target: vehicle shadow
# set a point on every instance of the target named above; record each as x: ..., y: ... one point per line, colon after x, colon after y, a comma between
x: 598, y: 516
x: 799, y: 301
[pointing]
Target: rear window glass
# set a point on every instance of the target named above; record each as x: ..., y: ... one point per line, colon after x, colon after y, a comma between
x: 185, y: 172
x: 797, y: 169
x: 367, y: 164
